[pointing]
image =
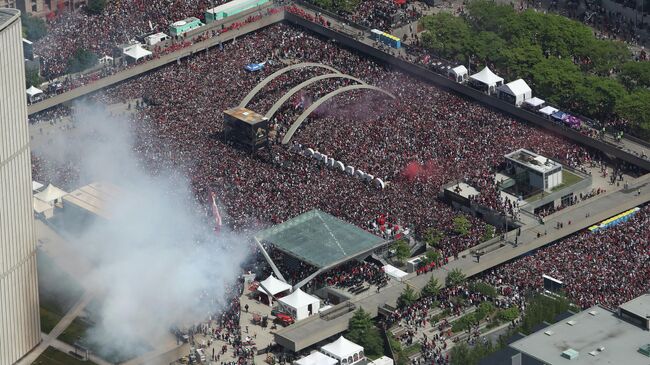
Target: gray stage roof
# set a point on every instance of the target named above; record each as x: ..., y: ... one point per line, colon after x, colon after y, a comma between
x: 589, y: 330
x: 320, y: 239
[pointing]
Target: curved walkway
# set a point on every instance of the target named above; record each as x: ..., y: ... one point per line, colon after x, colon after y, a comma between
x: 320, y: 101
x: 247, y: 99
x: 278, y: 104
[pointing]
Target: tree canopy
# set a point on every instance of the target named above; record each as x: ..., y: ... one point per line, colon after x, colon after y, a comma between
x: 362, y: 331
x: 82, y: 59
x: 432, y: 288
x: 33, y: 28
x: 407, y: 298
x: 455, y: 277
x: 96, y: 6
x: 562, y: 60
x: 402, y: 250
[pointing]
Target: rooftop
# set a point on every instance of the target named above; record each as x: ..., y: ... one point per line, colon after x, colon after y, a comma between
x: 639, y: 306
x: 533, y: 160
x: 7, y: 15
x: 93, y: 197
x: 320, y: 239
x: 463, y: 190
x: 593, y: 336
x: 245, y: 115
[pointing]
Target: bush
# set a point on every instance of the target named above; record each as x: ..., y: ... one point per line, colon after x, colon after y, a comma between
x: 483, y: 288
x: 463, y: 323
x: 508, y: 315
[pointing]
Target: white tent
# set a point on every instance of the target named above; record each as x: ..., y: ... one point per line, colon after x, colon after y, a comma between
x: 273, y: 286
x: 316, y: 358
x: 136, y: 52
x: 515, y: 92
x: 548, y: 110
x: 534, y: 103
x: 458, y: 73
x: 300, y: 304
x: 384, y: 360
x: 106, y: 60
x: 344, y: 350
x: 156, y: 38
x: 391, y: 270
x: 34, y: 93
x: 488, y: 79
x: 51, y: 194
x: 42, y: 207
x: 36, y: 186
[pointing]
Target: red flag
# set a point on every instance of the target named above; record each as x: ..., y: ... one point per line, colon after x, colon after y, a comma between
x: 215, y: 213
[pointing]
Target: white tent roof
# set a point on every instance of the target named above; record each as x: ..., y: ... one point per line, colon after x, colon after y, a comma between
x: 273, y: 286
x: 136, y: 52
x: 342, y: 348
x: 51, y: 193
x: 460, y: 70
x: 394, y: 272
x: 36, y: 185
x: 517, y: 87
x: 548, y: 110
x: 33, y: 91
x: 487, y: 77
x: 298, y: 299
x: 534, y: 101
x: 41, y: 206
x: 316, y: 358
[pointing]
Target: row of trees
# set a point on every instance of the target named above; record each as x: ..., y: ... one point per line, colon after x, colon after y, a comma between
x: 559, y: 57
x: 338, y: 5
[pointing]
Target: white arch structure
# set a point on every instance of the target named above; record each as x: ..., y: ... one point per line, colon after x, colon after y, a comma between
x: 247, y: 99
x: 278, y: 104
x: 320, y: 101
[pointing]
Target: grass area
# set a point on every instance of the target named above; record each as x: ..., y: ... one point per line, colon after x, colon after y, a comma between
x: 52, y: 356
x: 75, y: 331
x: 49, y: 319
x: 58, y: 291
x: 412, y: 350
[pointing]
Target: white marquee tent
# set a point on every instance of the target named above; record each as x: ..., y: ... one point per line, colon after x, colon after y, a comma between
x: 272, y: 286
x: 36, y: 186
x: 136, y: 52
x: 487, y: 79
x: 548, y: 110
x: 515, y: 92
x: 34, y: 93
x: 534, y: 103
x: 344, y: 350
x: 300, y: 304
x: 391, y: 270
x: 316, y: 358
x: 51, y: 194
x: 459, y: 73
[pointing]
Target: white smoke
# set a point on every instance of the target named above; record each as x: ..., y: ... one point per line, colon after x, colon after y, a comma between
x: 157, y: 262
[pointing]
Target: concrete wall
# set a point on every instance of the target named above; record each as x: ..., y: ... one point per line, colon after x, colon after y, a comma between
x: 19, y: 313
x: 420, y: 72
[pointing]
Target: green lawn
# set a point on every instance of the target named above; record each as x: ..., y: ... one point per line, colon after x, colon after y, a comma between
x: 75, y: 331
x: 412, y: 350
x: 52, y: 356
x: 57, y: 291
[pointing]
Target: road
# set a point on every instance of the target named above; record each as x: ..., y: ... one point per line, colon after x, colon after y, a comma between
x: 315, y: 329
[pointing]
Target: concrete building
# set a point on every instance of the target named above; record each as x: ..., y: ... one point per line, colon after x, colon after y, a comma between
x: 543, y: 173
x: 41, y: 8
x: 593, y: 336
x: 19, y: 313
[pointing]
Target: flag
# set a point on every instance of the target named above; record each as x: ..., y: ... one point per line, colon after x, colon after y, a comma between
x: 215, y: 213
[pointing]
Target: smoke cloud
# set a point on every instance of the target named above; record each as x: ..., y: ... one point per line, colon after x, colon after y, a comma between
x: 157, y: 262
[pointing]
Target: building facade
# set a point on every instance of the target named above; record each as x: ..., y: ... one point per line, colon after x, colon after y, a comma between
x: 19, y: 310
x: 42, y: 8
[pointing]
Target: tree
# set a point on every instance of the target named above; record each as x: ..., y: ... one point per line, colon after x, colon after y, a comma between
x: 338, y: 5
x: 519, y: 59
x: 489, y: 232
x: 460, y: 354
x: 635, y: 75
x: 483, y: 288
x: 96, y: 6
x: 32, y: 78
x: 489, y: 15
x: 556, y: 80
x: 363, y: 332
x: 82, y: 59
x: 431, y: 289
x: 433, y: 237
x: 461, y: 225
x: 402, y: 250
x: 455, y: 277
x: 488, y: 47
x: 635, y: 107
x: 605, y: 55
x: 33, y: 28
x: 509, y: 315
x: 447, y: 35
x: 597, y: 96
x: 433, y: 256
x: 407, y: 298
x: 484, y: 309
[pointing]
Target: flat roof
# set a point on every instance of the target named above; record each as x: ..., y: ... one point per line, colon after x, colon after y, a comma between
x: 463, y: 189
x: 586, y: 332
x: 93, y: 197
x: 7, y: 16
x: 245, y: 115
x: 320, y: 239
x: 639, y: 306
x: 532, y: 160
